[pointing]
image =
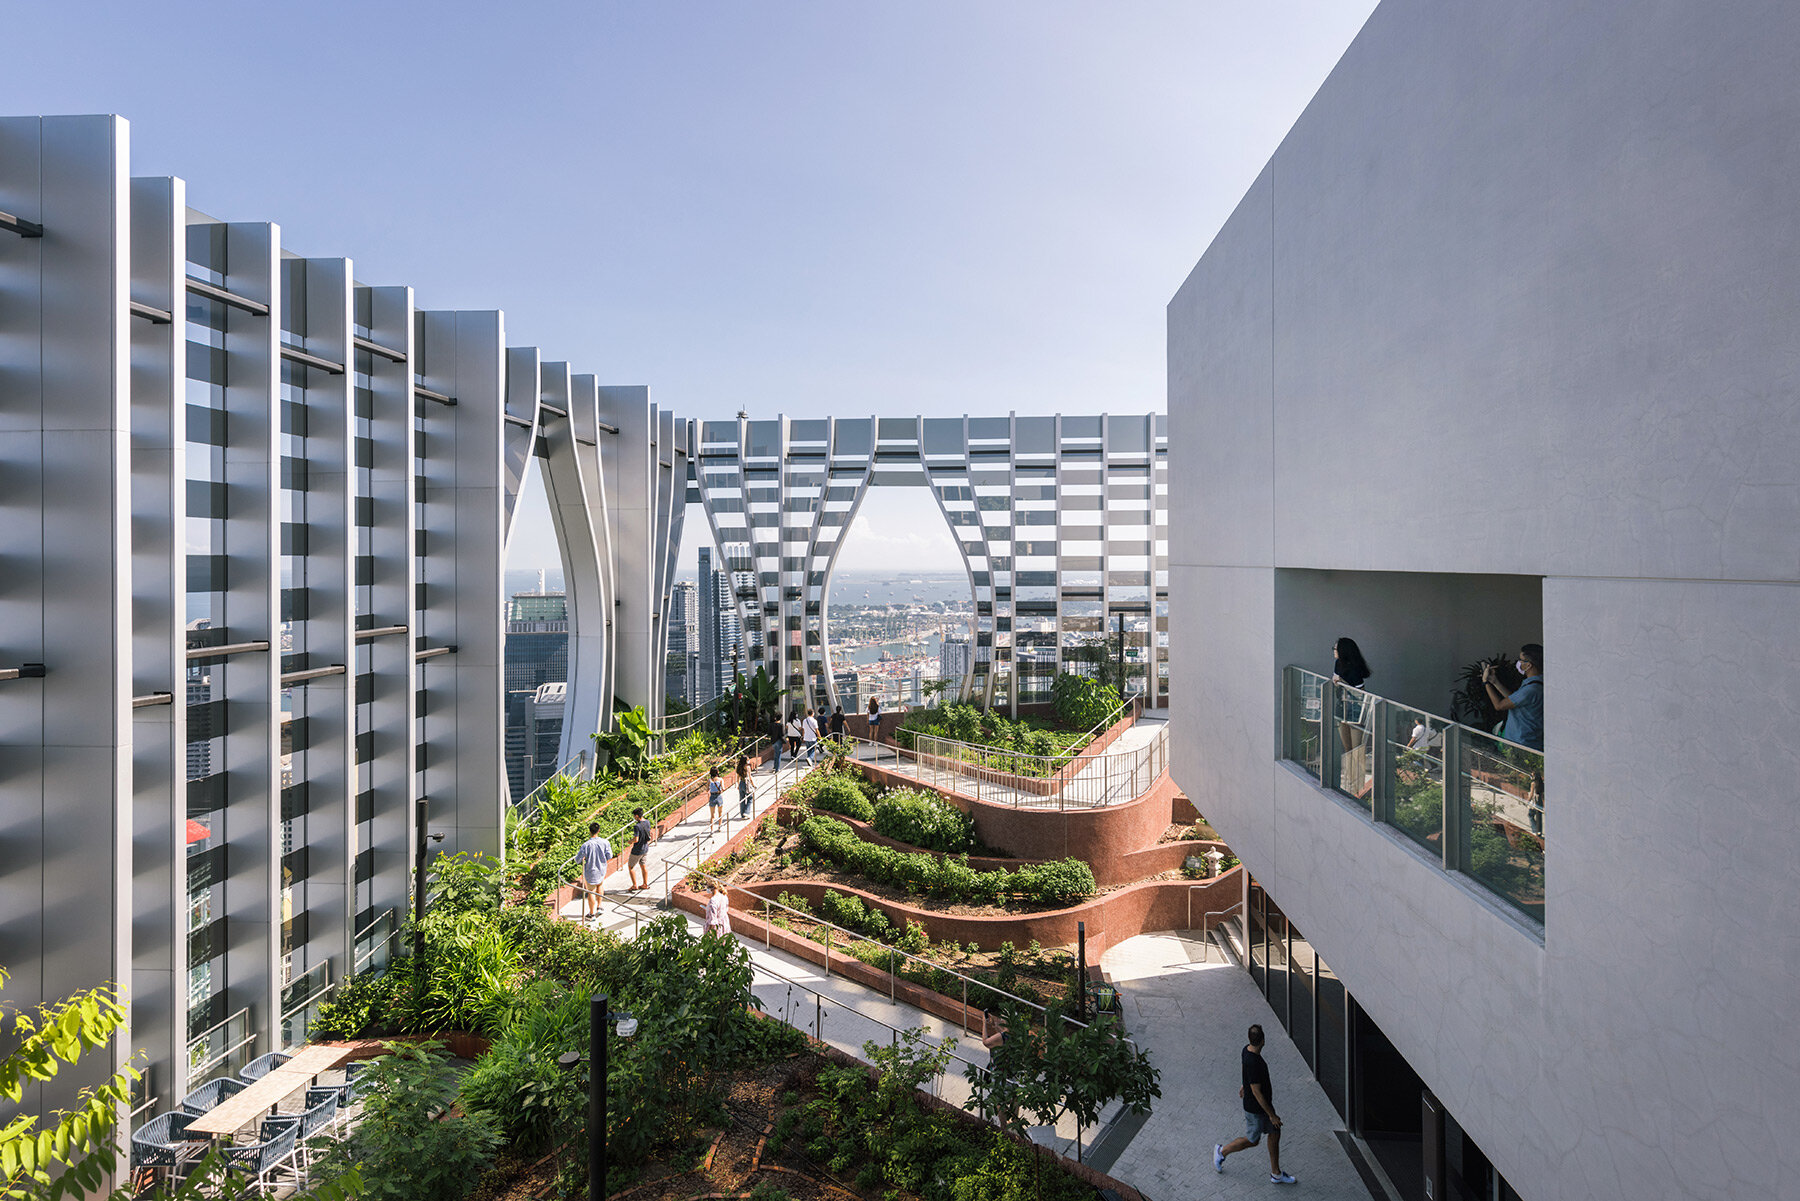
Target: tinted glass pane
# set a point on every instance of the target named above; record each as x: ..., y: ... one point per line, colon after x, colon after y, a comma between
x: 1259, y: 953
x: 1333, y: 1053
x: 1300, y: 995
x: 1276, y: 986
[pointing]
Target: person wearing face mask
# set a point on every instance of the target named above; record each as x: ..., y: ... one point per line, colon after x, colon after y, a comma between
x: 1524, y: 705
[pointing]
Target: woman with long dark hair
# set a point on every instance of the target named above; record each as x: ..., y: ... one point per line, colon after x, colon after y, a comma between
x: 1347, y: 663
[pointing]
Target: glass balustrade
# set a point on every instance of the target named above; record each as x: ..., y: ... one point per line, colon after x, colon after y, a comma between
x: 1400, y: 764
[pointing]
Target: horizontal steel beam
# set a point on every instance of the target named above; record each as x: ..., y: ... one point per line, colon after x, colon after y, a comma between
x: 311, y: 673
x: 154, y: 698
x: 295, y: 355
x: 379, y: 632
x: 151, y: 313
x: 434, y: 652
x: 392, y: 356
x: 428, y: 394
x: 20, y: 226
x: 229, y: 648
x: 200, y: 287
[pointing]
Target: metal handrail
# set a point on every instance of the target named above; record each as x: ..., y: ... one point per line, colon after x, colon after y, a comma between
x: 200, y: 1070
x: 528, y: 804
x: 1134, y: 702
x: 1448, y: 722
x: 1205, y: 947
x: 1134, y: 770
x: 830, y: 926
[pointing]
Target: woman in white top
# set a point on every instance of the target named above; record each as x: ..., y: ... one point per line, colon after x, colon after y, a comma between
x: 809, y: 736
x: 794, y: 731
x: 718, y: 911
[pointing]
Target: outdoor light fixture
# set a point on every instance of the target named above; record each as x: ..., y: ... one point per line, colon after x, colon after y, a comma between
x: 625, y: 1025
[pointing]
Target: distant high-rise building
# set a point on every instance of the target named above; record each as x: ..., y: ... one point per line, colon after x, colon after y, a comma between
x: 537, y: 653
x: 682, y: 670
x: 848, y: 690
x: 719, y: 630
x: 953, y: 662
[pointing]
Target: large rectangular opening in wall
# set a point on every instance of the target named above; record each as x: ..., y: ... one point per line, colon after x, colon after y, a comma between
x: 1417, y: 630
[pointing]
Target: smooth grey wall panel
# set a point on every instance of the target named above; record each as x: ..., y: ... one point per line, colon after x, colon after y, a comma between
x: 158, y: 645
x: 65, y: 492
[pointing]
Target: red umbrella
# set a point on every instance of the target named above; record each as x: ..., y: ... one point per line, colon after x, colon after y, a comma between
x: 196, y: 832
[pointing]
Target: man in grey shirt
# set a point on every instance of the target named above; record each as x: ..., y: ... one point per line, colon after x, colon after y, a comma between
x: 593, y: 857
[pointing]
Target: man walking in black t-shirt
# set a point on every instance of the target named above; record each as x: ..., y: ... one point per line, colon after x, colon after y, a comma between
x: 1260, y: 1117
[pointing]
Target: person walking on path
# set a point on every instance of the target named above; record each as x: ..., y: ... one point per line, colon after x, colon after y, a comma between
x: 641, y: 833
x: 809, y: 736
x: 718, y: 911
x: 1260, y: 1117
x: 715, y: 799
x: 594, y: 855
x: 776, y: 735
x: 744, y: 795
x: 794, y: 730
x: 837, y: 722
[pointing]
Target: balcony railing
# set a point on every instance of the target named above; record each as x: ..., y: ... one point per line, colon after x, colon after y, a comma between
x: 1472, y: 799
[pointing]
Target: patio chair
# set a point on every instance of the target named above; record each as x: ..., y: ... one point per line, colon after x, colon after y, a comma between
x: 321, y: 1111
x: 348, y: 1092
x: 264, y: 1159
x: 211, y: 1094
x: 161, y: 1142
x: 262, y: 1065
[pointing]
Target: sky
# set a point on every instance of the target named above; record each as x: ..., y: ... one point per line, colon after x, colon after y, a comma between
x: 937, y: 207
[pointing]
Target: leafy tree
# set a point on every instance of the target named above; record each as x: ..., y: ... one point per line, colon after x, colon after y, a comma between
x: 1060, y: 1067
x: 629, y: 741
x: 408, y: 1147
x: 72, y: 1154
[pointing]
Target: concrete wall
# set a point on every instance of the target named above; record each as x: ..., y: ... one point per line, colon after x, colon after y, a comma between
x: 1516, y: 296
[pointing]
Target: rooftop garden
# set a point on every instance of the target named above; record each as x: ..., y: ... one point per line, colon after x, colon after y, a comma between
x: 1028, y: 746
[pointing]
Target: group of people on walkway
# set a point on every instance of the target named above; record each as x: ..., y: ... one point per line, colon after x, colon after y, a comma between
x: 1522, y: 707
x: 595, y: 855
x: 802, y: 732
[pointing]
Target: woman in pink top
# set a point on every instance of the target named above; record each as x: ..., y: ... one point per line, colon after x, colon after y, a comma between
x: 718, y: 911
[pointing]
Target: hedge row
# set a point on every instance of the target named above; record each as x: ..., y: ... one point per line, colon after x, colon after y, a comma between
x: 1061, y: 883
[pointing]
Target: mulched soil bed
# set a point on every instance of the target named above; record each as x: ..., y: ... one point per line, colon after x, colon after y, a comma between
x: 1187, y: 830
x: 759, y: 866
x: 727, y: 1162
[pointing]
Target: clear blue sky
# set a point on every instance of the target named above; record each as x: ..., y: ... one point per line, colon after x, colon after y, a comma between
x: 809, y: 208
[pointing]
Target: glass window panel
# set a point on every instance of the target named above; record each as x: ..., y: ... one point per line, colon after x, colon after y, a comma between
x: 1300, y: 995
x: 1332, y: 1060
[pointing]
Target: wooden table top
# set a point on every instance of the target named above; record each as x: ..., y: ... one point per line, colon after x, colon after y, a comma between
x: 240, y: 1109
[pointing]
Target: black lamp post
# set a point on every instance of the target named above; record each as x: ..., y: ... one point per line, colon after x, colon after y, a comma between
x: 599, y: 1018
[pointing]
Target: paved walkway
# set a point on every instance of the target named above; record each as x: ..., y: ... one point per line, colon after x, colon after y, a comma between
x: 1193, y: 1013
x: 1121, y: 773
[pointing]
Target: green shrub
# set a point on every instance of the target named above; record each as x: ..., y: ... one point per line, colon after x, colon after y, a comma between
x: 839, y: 794
x: 1060, y: 883
x: 403, y: 1148
x: 518, y: 1085
x: 1082, y: 702
x: 924, y: 820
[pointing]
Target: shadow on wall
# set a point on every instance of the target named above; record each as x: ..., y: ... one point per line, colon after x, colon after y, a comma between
x: 1418, y: 630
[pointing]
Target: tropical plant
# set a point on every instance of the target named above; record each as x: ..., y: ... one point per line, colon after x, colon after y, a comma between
x: 628, y: 743
x: 467, y: 882
x: 1082, y: 702
x: 72, y: 1154
x: 519, y: 1085
x: 762, y: 699
x: 1469, y: 703
x: 1060, y: 1067
x: 408, y: 1145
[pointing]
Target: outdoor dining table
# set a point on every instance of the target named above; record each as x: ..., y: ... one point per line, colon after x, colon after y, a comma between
x: 240, y: 1109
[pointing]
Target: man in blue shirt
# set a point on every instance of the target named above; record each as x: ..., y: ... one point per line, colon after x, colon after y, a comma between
x: 1524, y: 705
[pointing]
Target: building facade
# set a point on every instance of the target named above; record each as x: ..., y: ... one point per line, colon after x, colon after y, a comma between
x: 252, y: 631
x: 1498, y: 350
x: 537, y: 653
x: 1058, y: 519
